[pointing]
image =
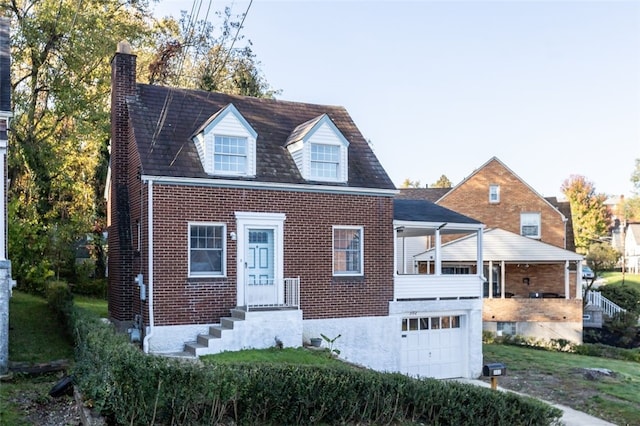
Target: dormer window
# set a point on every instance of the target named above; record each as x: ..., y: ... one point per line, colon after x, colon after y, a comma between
x: 325, y: 160
x: 320, y: 150
x: 230, y: 155
x: 226, y: 144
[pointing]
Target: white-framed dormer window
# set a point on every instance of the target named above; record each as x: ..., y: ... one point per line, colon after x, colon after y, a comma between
x: 494, y: 194
x: 226, y: 144
x: 230, y: 154
x: 207, y: 250
x: 320, y: 150
x: 530, y: 225
x: 348, y: 251
x: 325, y: 160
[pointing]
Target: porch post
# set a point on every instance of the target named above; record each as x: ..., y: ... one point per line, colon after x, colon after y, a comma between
x: 502, y: 278
x: 566, y: 280
x: 578, y: 280
x: 438, y: 259
x: 491, y: 279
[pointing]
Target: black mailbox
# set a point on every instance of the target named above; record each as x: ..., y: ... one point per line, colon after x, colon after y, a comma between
x: 494, y: 369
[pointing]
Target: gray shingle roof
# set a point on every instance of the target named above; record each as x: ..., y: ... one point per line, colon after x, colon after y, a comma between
x: 426, y: 211
x: 178, y: 113
x: 429, y: 194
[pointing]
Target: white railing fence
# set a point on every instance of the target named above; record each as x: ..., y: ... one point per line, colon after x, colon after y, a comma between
x: 609, y: 308
x: 263, y: 294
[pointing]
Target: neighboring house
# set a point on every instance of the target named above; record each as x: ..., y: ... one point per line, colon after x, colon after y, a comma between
x: 632, y: 248
x: 531, y: 283
x: 238, y: 222
x: 6, y: 282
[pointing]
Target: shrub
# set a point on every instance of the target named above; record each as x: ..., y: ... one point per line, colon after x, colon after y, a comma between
x: 625, y: 296
x: 130, y: 387
x: 605, y: 351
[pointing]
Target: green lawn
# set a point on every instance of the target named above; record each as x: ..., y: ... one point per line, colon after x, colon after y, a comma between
x: 615, y: 278
x: 96, y: 306
x: 34, y: 333
x: 560, y: 377
x: 274, y: 355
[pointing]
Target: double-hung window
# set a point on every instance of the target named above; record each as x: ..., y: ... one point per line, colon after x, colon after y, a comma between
x: 494, y: 194
x: 230, y: 154
x: 530, y: 225
x: 206, y: 250
x: 325, y: 160
x: 347, y: 251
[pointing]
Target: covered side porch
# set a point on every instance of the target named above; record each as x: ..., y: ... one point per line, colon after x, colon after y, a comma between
x: 420, y: 225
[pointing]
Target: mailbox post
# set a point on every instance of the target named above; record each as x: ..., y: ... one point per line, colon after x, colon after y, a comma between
x: 494, y: 370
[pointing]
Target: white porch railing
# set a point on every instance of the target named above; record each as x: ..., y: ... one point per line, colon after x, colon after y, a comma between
x: 422, y: 286
x: 285, y: 296
x: 595, y: 298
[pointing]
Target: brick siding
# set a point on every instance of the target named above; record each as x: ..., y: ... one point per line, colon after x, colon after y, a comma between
x: 471, y: 198
x: 540, y: 310
x: 179, y: 299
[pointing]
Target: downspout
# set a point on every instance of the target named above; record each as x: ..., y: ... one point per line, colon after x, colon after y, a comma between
x: 145, y: 343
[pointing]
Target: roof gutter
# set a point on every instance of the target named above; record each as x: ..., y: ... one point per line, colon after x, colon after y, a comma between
x: 229, y: 183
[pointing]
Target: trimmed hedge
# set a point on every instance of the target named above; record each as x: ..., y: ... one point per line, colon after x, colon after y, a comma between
x: 129, y: 387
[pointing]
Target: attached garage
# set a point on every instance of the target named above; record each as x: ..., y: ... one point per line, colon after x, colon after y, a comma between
x: 434, y: 346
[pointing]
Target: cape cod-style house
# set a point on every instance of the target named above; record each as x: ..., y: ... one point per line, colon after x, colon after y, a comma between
x: 239, y: 222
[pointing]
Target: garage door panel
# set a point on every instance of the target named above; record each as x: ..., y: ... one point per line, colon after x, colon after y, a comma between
x: 433, y: 349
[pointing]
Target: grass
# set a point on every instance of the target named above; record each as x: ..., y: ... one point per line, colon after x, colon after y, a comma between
x: 94, y: 305
x: 34, y: 333
x: 559, y: 377
x: 615, y: 278
x: 275, y: 356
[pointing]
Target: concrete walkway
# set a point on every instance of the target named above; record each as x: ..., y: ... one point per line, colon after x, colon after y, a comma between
x: 570, y: 416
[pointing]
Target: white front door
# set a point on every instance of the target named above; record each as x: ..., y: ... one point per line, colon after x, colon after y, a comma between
x: 260, y: 239
x: 261, y: 286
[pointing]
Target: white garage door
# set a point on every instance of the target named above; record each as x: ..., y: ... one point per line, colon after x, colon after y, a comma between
x: 433, y: 346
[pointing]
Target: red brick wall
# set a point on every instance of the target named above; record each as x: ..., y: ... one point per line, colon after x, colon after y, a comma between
x: 519, y: 310
x: 307, y: 251
x: 544, y: 278
x: 471, y: 198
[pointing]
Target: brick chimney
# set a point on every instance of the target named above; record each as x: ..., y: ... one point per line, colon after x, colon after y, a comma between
x: 121, y: 284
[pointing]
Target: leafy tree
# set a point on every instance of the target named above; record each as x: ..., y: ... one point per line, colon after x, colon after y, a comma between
x: 408, y: 183
x: 635, y: 176
x: 190, y: 53
x: 443, y: 182
x: 60, y: 91
x: 590, y: 215
x: 601, y: 257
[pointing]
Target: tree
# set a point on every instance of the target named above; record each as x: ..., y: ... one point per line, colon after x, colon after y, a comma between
x: 190, y: 53
x: 601, y: 257
x: 408, y: 183
x: 443, y: 182
x: 590, y: 216
x: 60, y: 91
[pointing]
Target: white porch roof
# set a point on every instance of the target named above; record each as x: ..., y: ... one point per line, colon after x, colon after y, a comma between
x: 501, y: 245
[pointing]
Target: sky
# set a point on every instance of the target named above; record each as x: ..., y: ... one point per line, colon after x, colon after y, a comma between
x: 551, y: 88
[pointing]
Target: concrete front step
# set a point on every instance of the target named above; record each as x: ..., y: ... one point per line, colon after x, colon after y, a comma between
x: 216, y: 333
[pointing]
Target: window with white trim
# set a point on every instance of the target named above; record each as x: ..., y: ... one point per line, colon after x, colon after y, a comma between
x: 325, y: 160
x: 230, y: 154
x: 347, y: 251
x: 530, y: 225
x: 206, y: 250
x: 494, y: 194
